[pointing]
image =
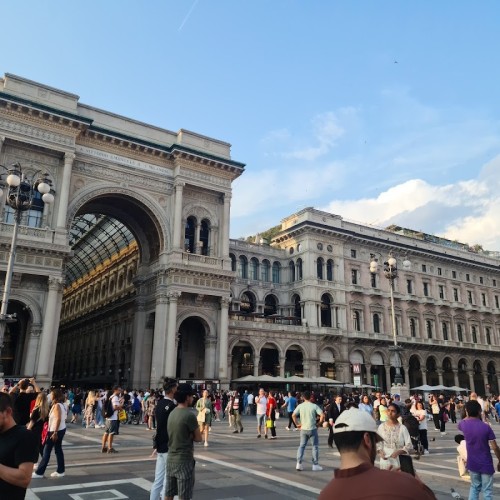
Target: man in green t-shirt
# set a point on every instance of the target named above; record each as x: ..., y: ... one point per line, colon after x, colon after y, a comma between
x: 308, y: 413
x: 183, y: 430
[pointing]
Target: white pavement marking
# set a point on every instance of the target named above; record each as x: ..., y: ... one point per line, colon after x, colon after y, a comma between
x: 88, y: 438
x: 259, y: 474
x: 140, y: 482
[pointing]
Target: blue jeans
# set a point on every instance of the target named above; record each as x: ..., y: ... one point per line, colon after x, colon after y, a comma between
x: 304, y: 439
x: 47, y: 450
x: 159, y: 484
x: 480, y: 482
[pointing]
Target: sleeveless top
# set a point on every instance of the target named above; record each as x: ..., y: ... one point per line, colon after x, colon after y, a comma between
x: 52, y: 418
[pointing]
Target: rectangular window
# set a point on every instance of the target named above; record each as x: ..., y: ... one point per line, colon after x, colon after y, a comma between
x: 469, y: 296
x: 426, y: 289
x: 424, y: 268
x: 483, y: 299
x: 441, y: 291
x: 374, y: 281
x: 455, y: 294
x: 467, y: 277
x: 409, y: 286
x: 494, y: 282
x: 354, y: 276
x: 440, y: 271
x: 481, y: 280
x: 496, y: 302
x: 353, y: 253
x: 454, y: 274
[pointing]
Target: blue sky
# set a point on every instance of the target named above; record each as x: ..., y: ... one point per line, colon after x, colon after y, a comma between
x: 382, y: 112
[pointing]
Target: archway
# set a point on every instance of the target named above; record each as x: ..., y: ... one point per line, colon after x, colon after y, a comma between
x: 294, y: 361
x: 191, y: 349
x: 415, y: 372
x: 242, y: 360
x: 492, y: 378
x: 112, y: 235
x: 327, y: 364
x: 358, y: 368
x: 326, y: 310
x: 448, y: 375
x: 432, y: 374
x: 377, y: 371
x: 269, y: 360
x: 463, y: 377
x: 248, y: 304
x: 479, y: 387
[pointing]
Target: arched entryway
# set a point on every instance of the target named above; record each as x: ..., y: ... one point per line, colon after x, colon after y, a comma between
x: 448, y: 375
x: 242, y: 360
x: 463, y: 376
x: 432, y: 373
x: 294, y: 361
x: 327, y: 364
x: 358, y: 368
x: 191, y: 349
x: 269, y: 360
x: 492, y: 378
x: 477, y: 369
x: 377, y: 371
x: 415, y: 372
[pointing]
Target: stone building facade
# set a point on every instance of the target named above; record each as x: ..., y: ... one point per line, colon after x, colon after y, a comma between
x: 131, y: 274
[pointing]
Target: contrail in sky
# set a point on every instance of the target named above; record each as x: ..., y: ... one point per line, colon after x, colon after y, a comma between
x: 187, y: 15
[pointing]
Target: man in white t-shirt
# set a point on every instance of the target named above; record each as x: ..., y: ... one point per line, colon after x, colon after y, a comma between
x: 249, y: 409
x: 261, y: 405
x: 112, y: 422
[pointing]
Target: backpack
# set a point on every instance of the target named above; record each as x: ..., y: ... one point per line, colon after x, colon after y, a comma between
x: 411, y: 423
x: 136, y: 405
x: 108, y: 408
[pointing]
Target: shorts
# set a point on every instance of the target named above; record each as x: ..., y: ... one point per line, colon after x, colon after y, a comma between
x: 180, y: 479
x: 111, y: 427
x: 261, y: 419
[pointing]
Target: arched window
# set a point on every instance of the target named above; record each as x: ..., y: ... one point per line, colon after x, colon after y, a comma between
x: 488, y: 336
x: 299, y: 269
x: 474, y: 335
x: 329, y: 270
x: 291, y: 267
x: 445, y: 331
x: 413, y: 327
x: 189, y: 233
x: 254, y: 269
x: 356, y: 317
x: 276, y: 272
x: 326, y: 311
x: 205, y: 237
x: 270, y: 305
x: 460, y: 333
x: 319, y: 268
x: 233, y: 262
x: 264, y: 270
x: 243, y: 267
x: 297, y: 309
x: 376, y: 323
x: 247, y: 302
x: 428, y: 326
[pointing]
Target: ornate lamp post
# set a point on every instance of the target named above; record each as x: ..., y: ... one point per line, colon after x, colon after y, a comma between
x: 391, y: 273
x: 20, y: 194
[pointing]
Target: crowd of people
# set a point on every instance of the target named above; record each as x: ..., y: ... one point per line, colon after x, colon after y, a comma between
x: 376, y: 426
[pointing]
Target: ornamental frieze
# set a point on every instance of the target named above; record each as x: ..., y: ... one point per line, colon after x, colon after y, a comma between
x: 34, y: 132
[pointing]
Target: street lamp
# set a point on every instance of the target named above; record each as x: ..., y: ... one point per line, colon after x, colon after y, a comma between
x: 20, y: 194
x: 391, y: 273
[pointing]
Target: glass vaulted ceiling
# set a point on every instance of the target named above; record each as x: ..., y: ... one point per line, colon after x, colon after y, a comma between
x: 94, y: 238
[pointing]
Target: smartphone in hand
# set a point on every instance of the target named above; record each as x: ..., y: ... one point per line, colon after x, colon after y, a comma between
x: 406, y: 463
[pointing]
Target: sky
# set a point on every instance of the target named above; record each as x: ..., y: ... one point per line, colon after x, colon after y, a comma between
x: 382, y: 112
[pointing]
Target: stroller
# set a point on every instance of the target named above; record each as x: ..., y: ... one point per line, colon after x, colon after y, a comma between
x: 411, y: 423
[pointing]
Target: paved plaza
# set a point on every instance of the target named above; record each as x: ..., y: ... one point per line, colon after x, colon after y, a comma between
x: 234, y: 466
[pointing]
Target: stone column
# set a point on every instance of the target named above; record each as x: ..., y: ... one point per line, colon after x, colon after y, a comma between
x: 440, y: 376
x: 176, y: 239
x: 225, y: 226
x: 171, y: 344
x: 388, y: 380
x: 31, y: 349
x: 471, y: 380
x: 405, y: 371
x: 282, y: 366
x: 197, y: 242
x: 159, y: 338
x: 424, y: 377
x: 310, y: 313
x: 256, y: 365
x: 368, y: 368
x: 486, y: 383
x: 210, y: 357
x: 223, y: 338
x: 63, y: 194
x: 140, y: 364
x: 455, y: 377
x: 50, y: 328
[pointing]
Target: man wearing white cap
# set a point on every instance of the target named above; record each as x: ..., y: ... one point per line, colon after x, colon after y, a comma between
x: 356, y: 437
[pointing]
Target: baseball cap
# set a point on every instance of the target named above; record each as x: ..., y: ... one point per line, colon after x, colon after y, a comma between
x: 353, y: 420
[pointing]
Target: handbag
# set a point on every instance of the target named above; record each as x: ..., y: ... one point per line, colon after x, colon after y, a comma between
x: 276, y: 414
x: 201, y: 416
x: 269, y: 423
x: 45, y: 432
x: 122, y: 416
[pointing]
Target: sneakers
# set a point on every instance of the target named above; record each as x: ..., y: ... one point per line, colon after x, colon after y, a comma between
x: 317, y: 467
x: 299, y: 466
x: 36, y: 476
x: 258, y: 435
x: 287, y: 428
x: 265, y: 436
x: 235, y: 432
x: 241, y: 429
x: 443, y: 434
x: 57, y: 474
x: 206, y: 444
x: 426, y: 452
x: 112, y: 450
x: 273, y: 437
x: 104, y: 450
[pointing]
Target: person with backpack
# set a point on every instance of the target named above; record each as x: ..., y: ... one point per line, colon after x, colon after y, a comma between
x: 421, y: 415
x: 111, y: 407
